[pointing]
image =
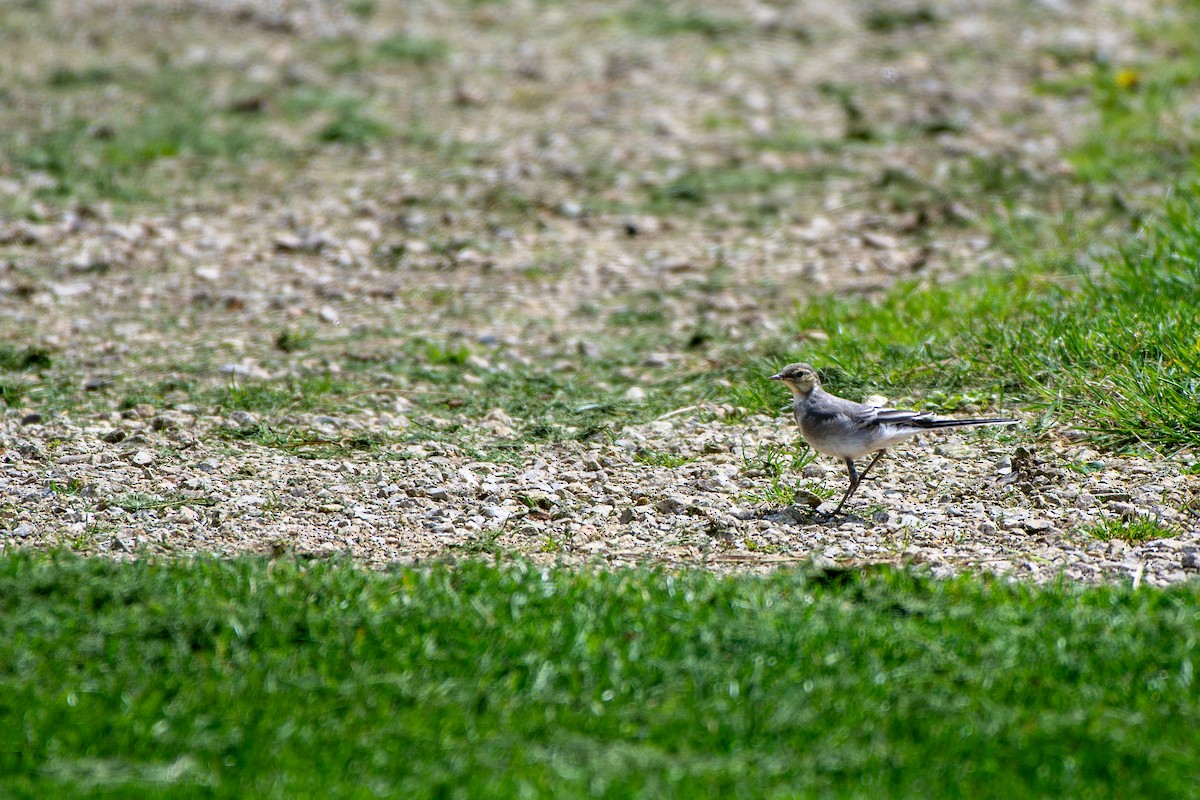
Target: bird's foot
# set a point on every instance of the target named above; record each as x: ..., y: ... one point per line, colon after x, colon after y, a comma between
x: 828, y: 514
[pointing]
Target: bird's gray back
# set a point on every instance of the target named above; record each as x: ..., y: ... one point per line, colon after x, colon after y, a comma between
x: 836, y: 426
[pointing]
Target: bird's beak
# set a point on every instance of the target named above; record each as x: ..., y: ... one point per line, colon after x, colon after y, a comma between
x: 775, y: 378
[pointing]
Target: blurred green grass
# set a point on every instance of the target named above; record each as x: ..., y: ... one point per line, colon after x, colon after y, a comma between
x: 205, y: 678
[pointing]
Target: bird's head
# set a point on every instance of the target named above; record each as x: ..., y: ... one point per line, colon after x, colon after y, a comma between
x: 800, y: 378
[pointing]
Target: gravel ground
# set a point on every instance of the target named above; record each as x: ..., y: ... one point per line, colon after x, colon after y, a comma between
x: 151, y: 482
x: 360, y: 247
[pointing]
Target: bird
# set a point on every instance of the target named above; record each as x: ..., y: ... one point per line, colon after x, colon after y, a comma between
x: 848, y: 430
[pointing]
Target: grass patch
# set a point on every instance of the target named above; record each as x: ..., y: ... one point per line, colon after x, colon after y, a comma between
x: 657, y: 458
x: 349, y: 55
x: 655, y: 20
x: 1147, y: 132
x: 572, y: 406
x: 1133, y: 531
x: 410, y: 49
x: 773, y: 190
x: 90, y: 76
x: 294, y: 340
x: 143, y: 502
x: 14, y: 359
x: 72, y: 488
x: 176, y: 125
x: 218, y: 678
x: 107, y: 154
x: 18, y: 381
x: 637, y: 317
x: 345, y: 115
x: 483, y: 542
x: 303, y: 443
x: 321, y: 391
x: 781, y: 466
x: 580, y: 398
x: 891, y: 19
x: 351, y: 126
x: 1141, y: 107
x: 12, y: 393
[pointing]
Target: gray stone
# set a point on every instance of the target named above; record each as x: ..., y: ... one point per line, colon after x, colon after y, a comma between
x: 496, y: 512
x: 675, y: 504
x: 243, y: 419
x: 803, y: 497
x: 1128, y: 511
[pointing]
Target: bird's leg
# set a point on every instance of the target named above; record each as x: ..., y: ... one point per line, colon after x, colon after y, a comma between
x: 855, y: 479
x: 863, y: 475
x: 853, y: 473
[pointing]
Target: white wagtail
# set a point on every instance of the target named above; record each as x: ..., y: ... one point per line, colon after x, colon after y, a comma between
x: 848, y: 430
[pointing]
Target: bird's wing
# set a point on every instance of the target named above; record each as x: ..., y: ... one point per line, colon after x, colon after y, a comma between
x: 863, y: 415
x: 897, y: 416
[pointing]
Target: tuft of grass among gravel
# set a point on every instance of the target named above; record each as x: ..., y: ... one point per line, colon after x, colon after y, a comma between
x: 656, y: 20
x: 283, y: 678
x: 774, y: 464
x: 14, y: 359
x: 305, y: 444
x: 1133, y: 531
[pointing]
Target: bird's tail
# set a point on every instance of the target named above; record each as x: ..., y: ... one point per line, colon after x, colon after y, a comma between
x: 933, y: 423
